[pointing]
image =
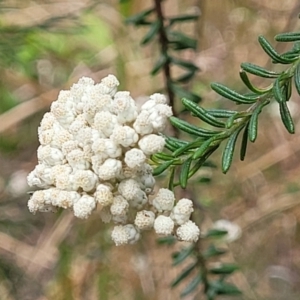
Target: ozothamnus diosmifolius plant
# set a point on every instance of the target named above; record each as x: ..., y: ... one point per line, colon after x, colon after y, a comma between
x: 99, y: 152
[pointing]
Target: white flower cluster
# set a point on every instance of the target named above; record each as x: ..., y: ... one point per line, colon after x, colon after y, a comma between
x: 94, y: 148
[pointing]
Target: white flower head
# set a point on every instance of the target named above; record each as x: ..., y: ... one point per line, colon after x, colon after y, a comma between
x: 164, y: 200
x: 84, y: 206
x: 110, y: 169
x: 111, y: 82
x: 125, y: 136
x: 103, y: 195
x: 163, y: 225
x: 182, y: 211
x: 151, y: 144
x: 188, y: 232
x: 119, y: 206
x: 234, y: 231
x: 105, y: 122
x: 144, y: 219
x: 134, y: 158
x: 50, y: 156
x: 125, y: 234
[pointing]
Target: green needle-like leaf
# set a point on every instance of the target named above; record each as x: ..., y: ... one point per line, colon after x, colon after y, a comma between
x: 201, y: 113
x: 297, y: 78
x: 182, y: 93
x: 244, y: 143
x: 258, y: 71
x: 286, y: 117
x: 191, y: 129
x: 161, y: 168
x: 252, y: 129
x: 179, y: 257
x: 154, y: 28
x: 183, y: 18
x: 139, y: 19
x: 184, y: 274
x: 250, y: 86
x: 267, y: 47
x: 233, y: 95
x: 288, y: 37
x: 163, y: 59
x: 191, y: 286
x: 224, y: 269
x: 184, y: 174
x: 229, y: 150
x: 277, y: 91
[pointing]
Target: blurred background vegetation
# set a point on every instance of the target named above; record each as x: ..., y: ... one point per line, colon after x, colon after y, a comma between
x: 45, y: 46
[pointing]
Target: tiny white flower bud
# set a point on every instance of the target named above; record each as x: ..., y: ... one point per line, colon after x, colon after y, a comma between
x: 234, y: 231
x: 124, y: 135
x: 85, y: 179
x: 134, y: 158
x: 188, y: 232
x: 84, y: 206
x: 151, y: 144
x: 144, y: 219
x: 110, y: 169
x: 105, y: 122
x: 77, y: 160
x: 119, y: 206
x: 50, y: 156
x: 119, y: 235
x: 163, y: 225
x: 182, y: 211
x: 164, y: 200
x: 103, y: 195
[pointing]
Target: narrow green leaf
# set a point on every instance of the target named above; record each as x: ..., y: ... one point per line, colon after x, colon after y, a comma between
x: 163, y: 59
x: 191, y: 129
x: 180, y: 41
x: 297, y: 78
x: 221, y: 113
x: 182, y: 93
x: 140, y: 17
x: 223, y: 288
x: 288, y: 37
x: 252, y: 130
x: 201, y: 113
x: 244, y: 143
x: 183, y: 18
x: 179, y: 257
x: 192, y: 145
x: 166, y: 240
x: 277, y: 91
x: 258, y: 71
x: 171, y: 179
x: 184, y: 63
x: 287, y: 89
x: 268, y: 48
x: 286, y: 117
x: 184, y: 173
x: 229, y: 150
x: 191, y: 286
x: 173, y: 144
x: 210, y: 144
x: 232, y: 95
x: 184, y: 274
x: 224, y: 269
x: 186, y: 77
x: 250, y: 86
x: 160, y: 169
x: 162, y: 156
x: 213, y: 251
x: 215, y: 233
x: 154, y: 28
